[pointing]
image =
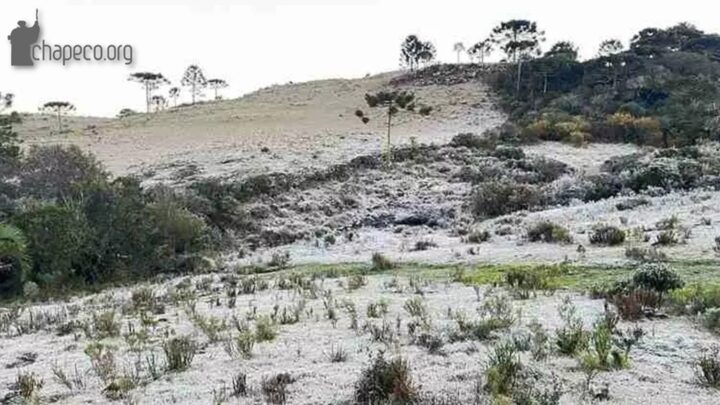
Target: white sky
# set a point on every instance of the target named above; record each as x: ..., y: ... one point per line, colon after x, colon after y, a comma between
x: 255, y: 43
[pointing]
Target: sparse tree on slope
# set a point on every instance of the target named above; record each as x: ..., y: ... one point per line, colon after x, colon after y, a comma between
x: 392, y: 102
x: 217, y: 84
x: 459, y: 48
x: 59, y: 109
x: 150, y: 82
x: 194, y: 78
x: 174, y: 94
x: 158, y: 102
x: 6, y: 100
x: 413, y: 51
x: 480, y: 50
x: 520, y: 40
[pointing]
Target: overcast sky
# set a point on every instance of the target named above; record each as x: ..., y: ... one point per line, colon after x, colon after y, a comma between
x: 255, y: 43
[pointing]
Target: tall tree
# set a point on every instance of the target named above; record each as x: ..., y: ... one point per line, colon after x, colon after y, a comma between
x: 158, y: 102
x: 6, y: 100
x: 654, y: 41
x: 610, y: 47
x: 611, y: 50
x: 217, y: 84
x: 563, y: 50
x: 392, y: 102
x: 413, y: 51
x: 195, y: 79
x: 481, y: 50
x: 174, y: 94
x: 459, y: 48
x: 59, y: 109
x: 150, y: 82
x: 520, y: 40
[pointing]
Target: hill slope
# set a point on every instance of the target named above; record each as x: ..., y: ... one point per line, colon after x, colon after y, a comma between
x: 302, y: 125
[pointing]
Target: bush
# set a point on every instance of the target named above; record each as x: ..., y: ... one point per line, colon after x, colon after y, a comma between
x: 495, y: 198
x: 632, y: 305
x: 58, y: 242
x: 58, y: 172
x: 707, y: 368
x: 548, y: 232
x: 666, y: 238
x: 607, y: 235
x: 381, y: 263
x: 509, y: 152
x: 502, y: 370
x: 696, y: 298
x: 179, y: 352
x: 711, y: 319
x: 14, y: 260
x: 264, y: 329
x: 275, y: 388
x: 473, y: 141
x: 651, y: 254
x: 656, y: 277
x: 523, y: 281
x: 571, y: 338
x: 385, y: 381
x: 478, y: 236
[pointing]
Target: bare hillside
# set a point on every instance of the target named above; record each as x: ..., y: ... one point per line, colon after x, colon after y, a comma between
x: 277, y: 128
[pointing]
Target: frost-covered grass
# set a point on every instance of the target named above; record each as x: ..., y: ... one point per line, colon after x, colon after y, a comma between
x: 307, y: 333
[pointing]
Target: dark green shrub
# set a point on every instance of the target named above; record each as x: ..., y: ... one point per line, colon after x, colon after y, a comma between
x: 509, y: 152
x: 473, y: 141
x: 14, y: 259
x: 503, y: 369
x: 385, y: 381
x: 58, y: 239
x: 656, y: 277
x: 607, y: 235
x: 495, y: 198
x: 478, y: 236
x: 548, y: 232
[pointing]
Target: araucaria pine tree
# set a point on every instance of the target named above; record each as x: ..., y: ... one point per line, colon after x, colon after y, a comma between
x: 393, y: 102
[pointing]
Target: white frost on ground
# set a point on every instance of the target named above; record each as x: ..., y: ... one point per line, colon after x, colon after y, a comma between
x: 661, y: 371
x: 698, y: 211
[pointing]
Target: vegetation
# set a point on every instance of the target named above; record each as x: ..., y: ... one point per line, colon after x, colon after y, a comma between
x: 385, y: 381
x: 607, y: 235
x: 179, y: 352
x: 392, y: 102
x: 67, y: 223
x: 607, y: 98
x: 548, y: 232
x: 215, y: 85
x: 194, y: 78
x: 707, y: 368
x: 58, y: 109
x: 413, y: 52
x: 150, y: 82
